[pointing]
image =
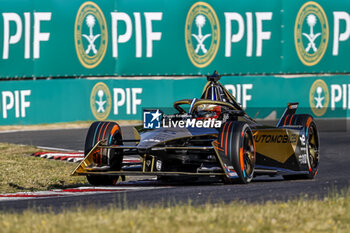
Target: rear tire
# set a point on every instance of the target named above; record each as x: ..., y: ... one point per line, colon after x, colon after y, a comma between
x: 239, y: 146
x: 111, y: 132
x: 312, y: 145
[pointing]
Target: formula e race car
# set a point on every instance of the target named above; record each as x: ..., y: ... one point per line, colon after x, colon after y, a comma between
x: 212, y: 139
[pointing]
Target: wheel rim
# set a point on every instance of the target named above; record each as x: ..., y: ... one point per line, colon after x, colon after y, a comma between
x: 313, y: 147
x: 248, y: 154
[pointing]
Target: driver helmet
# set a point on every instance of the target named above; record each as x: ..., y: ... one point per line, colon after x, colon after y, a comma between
x: 208, y: 111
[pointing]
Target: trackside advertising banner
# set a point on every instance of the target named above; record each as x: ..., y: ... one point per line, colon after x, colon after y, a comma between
x: 54, y: 38
x: 66, y: 100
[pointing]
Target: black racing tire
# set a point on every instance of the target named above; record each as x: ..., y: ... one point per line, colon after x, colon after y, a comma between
x: 239, y: 146
x: 111, y: 132
x: 312, y: 144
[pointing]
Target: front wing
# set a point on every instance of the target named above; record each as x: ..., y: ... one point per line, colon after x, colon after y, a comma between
x: 88, y: 167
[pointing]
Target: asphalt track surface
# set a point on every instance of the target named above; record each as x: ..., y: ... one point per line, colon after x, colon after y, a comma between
x: 333, y: 176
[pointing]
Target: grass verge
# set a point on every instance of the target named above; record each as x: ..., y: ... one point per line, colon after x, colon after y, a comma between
x: 328, y: 215
x: 25, y: 173
x: 20, y: 173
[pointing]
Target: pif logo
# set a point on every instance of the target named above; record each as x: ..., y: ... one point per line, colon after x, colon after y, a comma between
x: 202, y: 34
x: 311, y: 33
x: 90, y: 35
x: 100, y: 101
x: 319, y: 97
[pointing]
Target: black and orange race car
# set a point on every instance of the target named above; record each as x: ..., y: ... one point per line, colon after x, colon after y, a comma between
x: 216, y: 140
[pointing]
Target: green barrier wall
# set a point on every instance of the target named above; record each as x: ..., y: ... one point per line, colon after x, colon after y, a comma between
x: 157, y: 37
x: 65, y: 100
x: 159, y: 47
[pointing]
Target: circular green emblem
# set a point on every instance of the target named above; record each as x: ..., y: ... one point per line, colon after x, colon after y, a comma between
x: 100, y: 101
x: 319, y: 97
x: 311, y: 33
x: 90, y: 35
x: 202, y: 34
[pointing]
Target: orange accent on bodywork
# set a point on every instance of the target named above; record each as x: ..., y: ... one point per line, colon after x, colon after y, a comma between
x: 216, y: 145
x: 241, y: 158
x: 285, y: 120
x: 309, y: 120
x: 290, y: 121
x: 217, y: 110
x: 218, y: 148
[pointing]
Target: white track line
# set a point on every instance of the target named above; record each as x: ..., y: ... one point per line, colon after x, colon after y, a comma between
x: 58, y: 149
x: 73, y: 192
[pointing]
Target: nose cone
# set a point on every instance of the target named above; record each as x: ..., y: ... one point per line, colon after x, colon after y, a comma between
x: 157, y: 136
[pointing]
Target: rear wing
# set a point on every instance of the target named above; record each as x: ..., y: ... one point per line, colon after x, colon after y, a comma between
x: 288, y: 114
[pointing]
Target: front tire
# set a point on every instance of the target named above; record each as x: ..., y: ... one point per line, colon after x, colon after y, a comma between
x: 111, y: 132
x: 312, y: 145
x: 239, y: 146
